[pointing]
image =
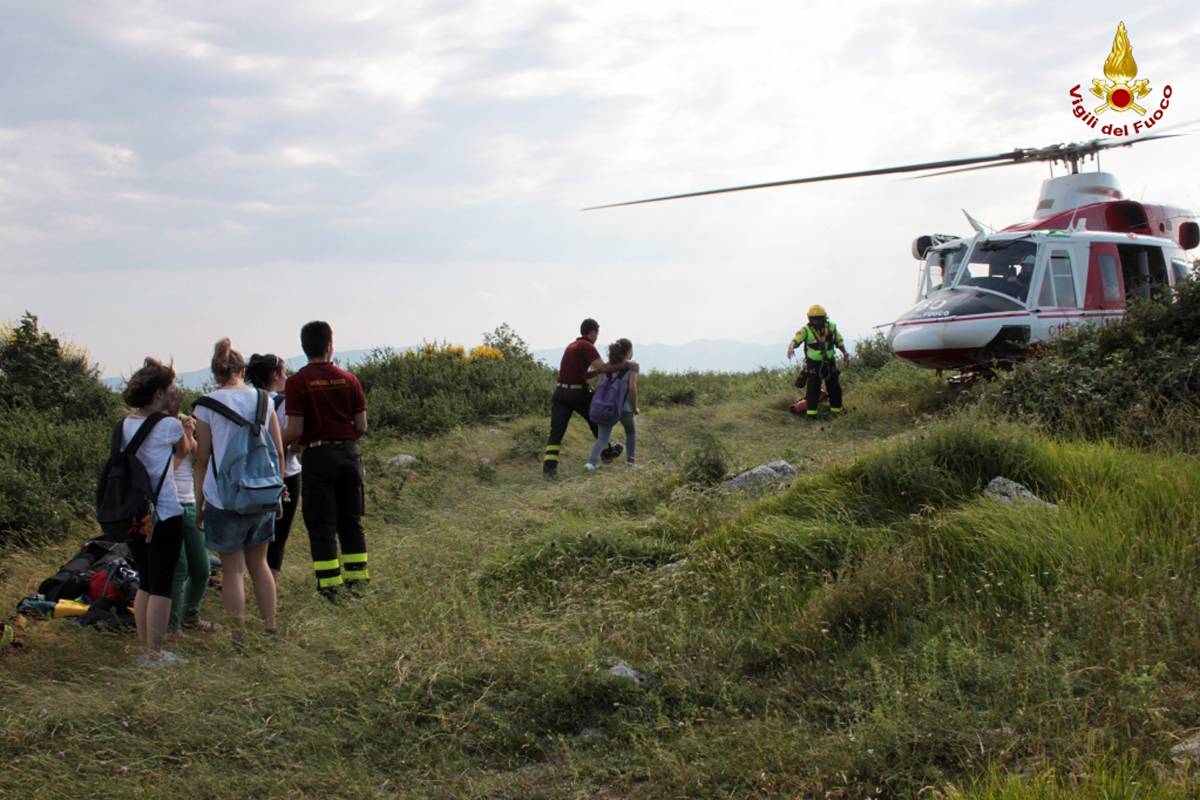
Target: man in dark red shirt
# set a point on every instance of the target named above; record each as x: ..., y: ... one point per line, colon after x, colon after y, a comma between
x: 573, y: 395
x: 327, y: 412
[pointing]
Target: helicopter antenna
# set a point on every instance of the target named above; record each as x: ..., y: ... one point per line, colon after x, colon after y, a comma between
x: 976, y: 224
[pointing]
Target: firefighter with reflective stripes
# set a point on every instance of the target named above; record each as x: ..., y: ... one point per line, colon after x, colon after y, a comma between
x: 820, y: 338
x: 573, y: 395
x: 327, y: 413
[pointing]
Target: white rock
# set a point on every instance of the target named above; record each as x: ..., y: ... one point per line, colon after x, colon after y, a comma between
x: 1011, y: 492
x: 674, y: 566
x: 623, y: 671
x: 400, y: 462
x: 1185, y: 751
x: 762, y: 475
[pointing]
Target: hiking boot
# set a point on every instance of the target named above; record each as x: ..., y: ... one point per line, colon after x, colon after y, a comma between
x: 611, y: 452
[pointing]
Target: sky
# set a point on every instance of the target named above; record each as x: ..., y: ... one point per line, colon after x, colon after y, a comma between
x: 175, y: 172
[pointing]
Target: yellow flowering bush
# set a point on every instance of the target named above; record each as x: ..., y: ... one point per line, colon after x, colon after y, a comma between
x: 485, y: 353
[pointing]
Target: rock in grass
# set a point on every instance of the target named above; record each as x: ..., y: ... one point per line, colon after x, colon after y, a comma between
x: 762, y: 475
x: 623, y: 671
x: 1186, y: 751
x: 1011, y: 492
x: 400, y: 462
x: 674, y: 567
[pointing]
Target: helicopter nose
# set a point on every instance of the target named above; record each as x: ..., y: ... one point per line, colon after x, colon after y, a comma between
x: 912, y: 342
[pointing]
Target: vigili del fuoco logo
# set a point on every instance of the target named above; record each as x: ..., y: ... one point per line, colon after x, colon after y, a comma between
x: 1120, y: 91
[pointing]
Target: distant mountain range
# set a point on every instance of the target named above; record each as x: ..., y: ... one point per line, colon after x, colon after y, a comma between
x: 709, y: 355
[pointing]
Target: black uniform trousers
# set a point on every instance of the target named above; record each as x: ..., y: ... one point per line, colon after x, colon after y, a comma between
x: 332, y: 490
x: 827, y: 371
x: 565, y: 403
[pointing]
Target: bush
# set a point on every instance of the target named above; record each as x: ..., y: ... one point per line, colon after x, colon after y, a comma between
x: 39, y: 372
x: 1137, y: 380
x: 872, y: 353
x: 706, y: 461
x: 55, y: 427
x: 438, y: 386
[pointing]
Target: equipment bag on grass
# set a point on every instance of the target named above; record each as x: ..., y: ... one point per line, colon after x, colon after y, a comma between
x: 248, y: 480
x: 74, y: 578
x: 609, y: 400
x: 125, y: 497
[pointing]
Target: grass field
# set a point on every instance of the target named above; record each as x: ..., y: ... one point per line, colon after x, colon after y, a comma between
x: 875, y: 630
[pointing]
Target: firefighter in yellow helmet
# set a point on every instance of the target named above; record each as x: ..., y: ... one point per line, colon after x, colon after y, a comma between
x: 820, y: 338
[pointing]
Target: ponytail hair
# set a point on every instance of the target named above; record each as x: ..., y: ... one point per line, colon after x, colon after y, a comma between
x: 227, y: 363
x: 619, y: 350
x: 262, y: 368
x: 144, y: 384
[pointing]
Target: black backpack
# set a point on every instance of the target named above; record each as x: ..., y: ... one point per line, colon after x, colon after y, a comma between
x: 124, y: 495
x: 72, y: 578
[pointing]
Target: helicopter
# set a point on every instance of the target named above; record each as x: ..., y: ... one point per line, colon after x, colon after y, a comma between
x: 1083, y: 257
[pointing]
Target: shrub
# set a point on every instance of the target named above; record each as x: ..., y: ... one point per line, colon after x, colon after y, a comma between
x: 39, y: 372
x: 1137, y: 379
x: 872, y: 353
x: 55, y: 427
x: 706, y: 461
x: 437, y: 386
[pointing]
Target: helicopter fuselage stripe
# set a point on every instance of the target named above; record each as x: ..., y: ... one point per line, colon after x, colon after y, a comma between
x: 1009, y: 315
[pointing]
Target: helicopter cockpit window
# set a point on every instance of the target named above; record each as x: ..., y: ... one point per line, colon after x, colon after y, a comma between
x: 1004, y: 267
x: 940, y: 268
x: 1180, y: 269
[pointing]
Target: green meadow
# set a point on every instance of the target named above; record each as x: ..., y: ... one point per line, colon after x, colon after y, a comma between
x: 874, y: 628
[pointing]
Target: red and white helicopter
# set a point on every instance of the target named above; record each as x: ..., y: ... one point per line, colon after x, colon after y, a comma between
x: 1086, y: 253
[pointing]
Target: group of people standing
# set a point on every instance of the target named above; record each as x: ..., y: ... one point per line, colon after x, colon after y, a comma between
x: 313, y: 419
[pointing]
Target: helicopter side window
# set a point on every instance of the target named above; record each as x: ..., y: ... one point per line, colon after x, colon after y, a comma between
x: 1003, y: 267
x: 1180, y: 270
x: 1063, y: 279
x: 1109, y: 279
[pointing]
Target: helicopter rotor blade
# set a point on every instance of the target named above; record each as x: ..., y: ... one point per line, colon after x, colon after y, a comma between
x: 866, y: 173
x: 965, y: 169
x: 1072, y: 153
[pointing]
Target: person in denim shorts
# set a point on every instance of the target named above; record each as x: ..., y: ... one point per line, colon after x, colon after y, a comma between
x: 241, y: 539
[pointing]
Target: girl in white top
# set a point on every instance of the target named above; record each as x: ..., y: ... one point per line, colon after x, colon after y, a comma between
x: 269, y: 372
x: 240, y: 539
x: 147, y: 393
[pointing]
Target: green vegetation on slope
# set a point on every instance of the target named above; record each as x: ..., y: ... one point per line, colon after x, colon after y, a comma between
x: 877, y: 629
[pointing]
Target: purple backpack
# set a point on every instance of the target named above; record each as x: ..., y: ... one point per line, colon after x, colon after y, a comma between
x: 609, y: 400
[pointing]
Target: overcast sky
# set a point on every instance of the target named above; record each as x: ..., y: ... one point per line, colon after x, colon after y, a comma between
x: 174, y: 172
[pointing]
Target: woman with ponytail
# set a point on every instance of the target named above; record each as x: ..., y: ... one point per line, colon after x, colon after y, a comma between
x: 268, y: 372
x: 241, y: 539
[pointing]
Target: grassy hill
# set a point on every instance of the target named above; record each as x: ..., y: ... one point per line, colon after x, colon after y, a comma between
x: 877, y: 629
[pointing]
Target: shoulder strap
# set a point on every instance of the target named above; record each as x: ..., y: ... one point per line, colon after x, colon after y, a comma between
x: 118, y: 435
x: 143, y: 431
x: 260, y: 419
x: 279, y: 398
x: 222, y: 409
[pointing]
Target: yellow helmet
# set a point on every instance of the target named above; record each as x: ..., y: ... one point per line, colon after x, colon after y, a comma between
x: 816, y: 310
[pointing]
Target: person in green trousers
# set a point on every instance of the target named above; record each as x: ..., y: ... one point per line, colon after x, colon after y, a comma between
x: 191, y: 573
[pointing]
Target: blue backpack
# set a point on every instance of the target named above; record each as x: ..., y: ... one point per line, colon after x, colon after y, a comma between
x: 609, y: 400
x: 248, y: 480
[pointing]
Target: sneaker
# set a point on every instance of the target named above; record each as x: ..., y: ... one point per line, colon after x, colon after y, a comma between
x: 589, y: 466
x: 631, y: 464
x: 198, y: 624
x: 164, y: 659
